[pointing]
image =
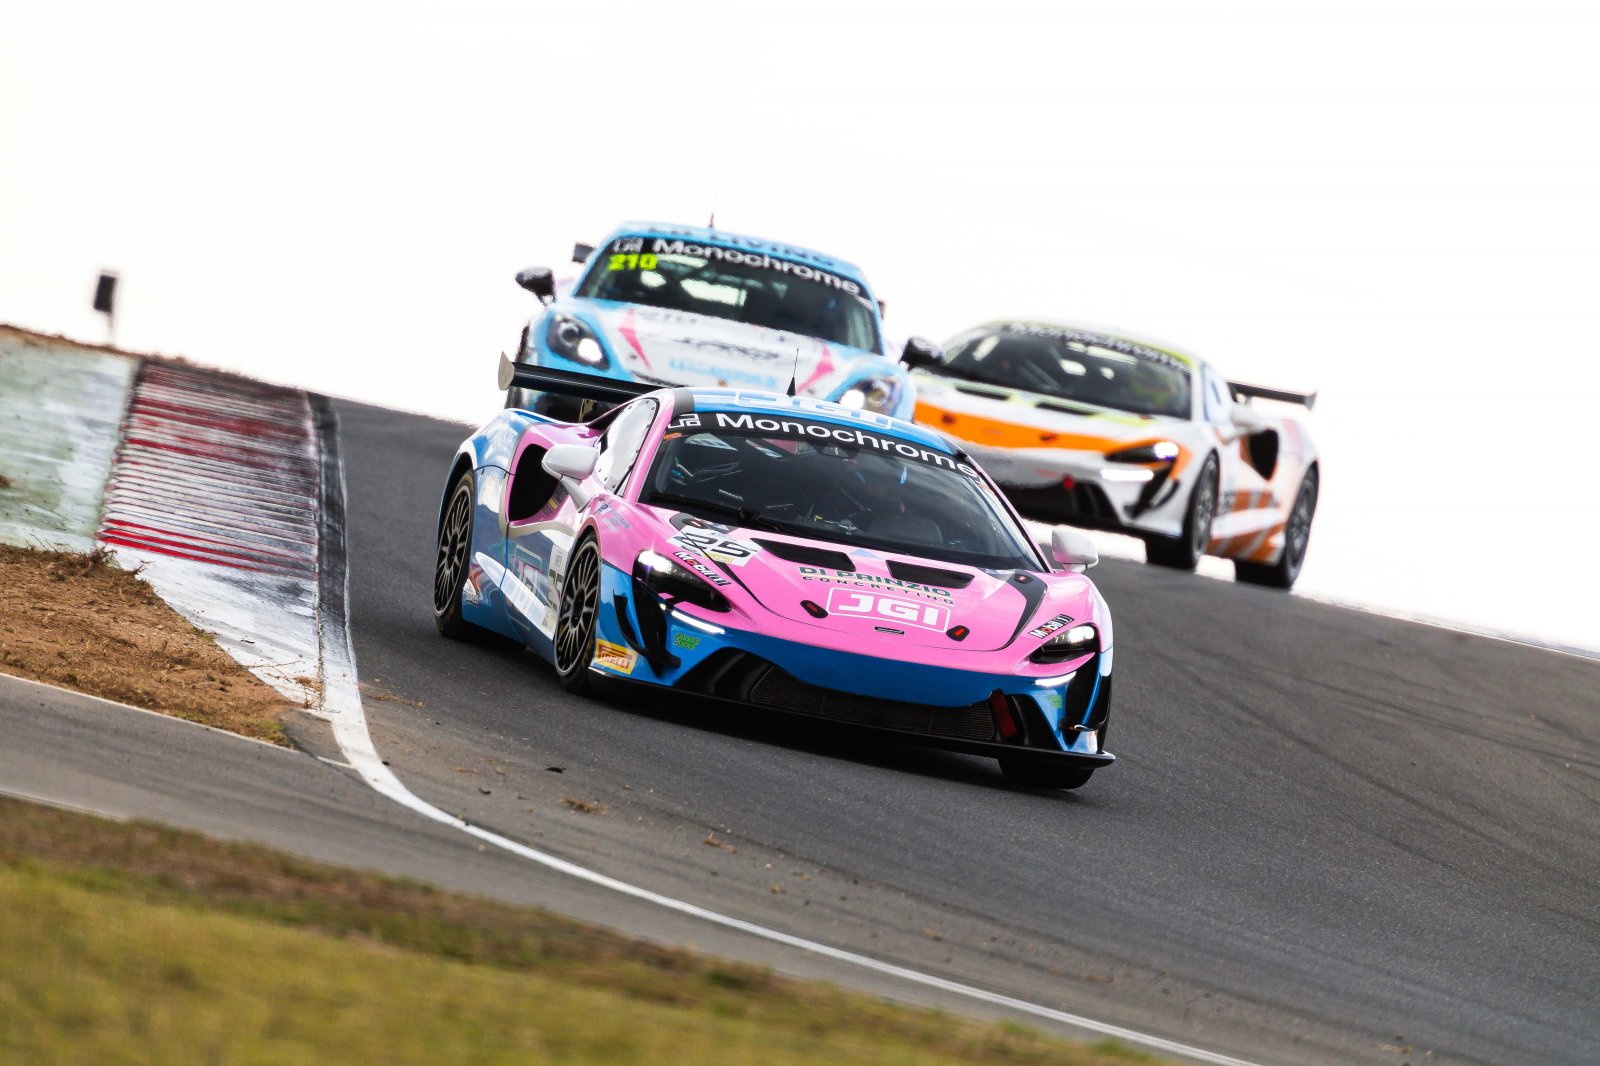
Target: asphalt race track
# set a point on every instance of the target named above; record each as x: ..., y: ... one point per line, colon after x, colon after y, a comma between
x: 1331, y: 837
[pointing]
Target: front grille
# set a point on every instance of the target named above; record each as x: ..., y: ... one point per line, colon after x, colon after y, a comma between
x: 779, y: 689
x: 1084, y: 504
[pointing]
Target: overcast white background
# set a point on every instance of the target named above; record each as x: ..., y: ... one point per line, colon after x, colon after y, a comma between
x: 1395, y: 203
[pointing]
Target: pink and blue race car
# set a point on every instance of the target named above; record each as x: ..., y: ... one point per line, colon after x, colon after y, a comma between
x: 782, y: 553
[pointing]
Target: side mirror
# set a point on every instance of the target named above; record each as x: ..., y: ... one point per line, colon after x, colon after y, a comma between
x: 1247, y: 420
x: 572, y: 463
x: 921, y: 352
x: 1072, y: 549
x: 539, y: 281
x: 582, y: 252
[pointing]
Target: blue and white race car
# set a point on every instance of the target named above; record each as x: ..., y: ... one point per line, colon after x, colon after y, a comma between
x: 671, y: 305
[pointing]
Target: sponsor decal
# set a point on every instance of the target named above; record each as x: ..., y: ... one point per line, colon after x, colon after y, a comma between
x: 856, y: 579
x: 686, y: 641
x: 722, y: 549
x: 819, y: 433
x: 725, y: 373
x: 879, y: 607
x: 1044, y: 629
x: 701, y: 567
x: 632, y: 253
x: 615, y: 656
x: 1099, y: 340
x: 1053, y: 700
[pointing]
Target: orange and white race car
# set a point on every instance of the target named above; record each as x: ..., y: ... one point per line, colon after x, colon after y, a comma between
x: 1102, y: 431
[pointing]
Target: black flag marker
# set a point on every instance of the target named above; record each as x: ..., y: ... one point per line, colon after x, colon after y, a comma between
x: 105, y: 300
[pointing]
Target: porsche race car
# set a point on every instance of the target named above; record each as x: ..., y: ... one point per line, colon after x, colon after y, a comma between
x: 674, y: 305
x: 1106, y: 432
x: 782, y: 553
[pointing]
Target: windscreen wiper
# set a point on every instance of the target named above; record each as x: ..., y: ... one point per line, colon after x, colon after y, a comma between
x: 745, y: 516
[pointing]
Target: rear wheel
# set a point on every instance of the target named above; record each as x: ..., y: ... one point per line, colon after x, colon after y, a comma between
x: 451, y: 566
x: 1184, y: 552
x: 577, y: 619
x: 1296, y: 536
x: 1035, y: 774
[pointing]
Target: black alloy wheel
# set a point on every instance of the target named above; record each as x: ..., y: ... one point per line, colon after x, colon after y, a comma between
x: 1296, y: 537
x: 1185, y: 551
x: 450, y: 569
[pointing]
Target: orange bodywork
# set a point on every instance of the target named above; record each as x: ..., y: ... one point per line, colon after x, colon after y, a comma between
x: 993, y: 433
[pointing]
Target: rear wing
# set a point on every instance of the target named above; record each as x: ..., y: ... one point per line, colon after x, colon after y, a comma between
x: 569, y: 382
x: 1242, y: 392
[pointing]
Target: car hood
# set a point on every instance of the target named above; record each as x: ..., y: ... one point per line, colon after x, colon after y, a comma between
x: 866, y: 595
x: 681, y: 348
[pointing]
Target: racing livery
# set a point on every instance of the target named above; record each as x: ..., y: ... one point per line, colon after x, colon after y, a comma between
x: 671, y: 305
x: 783, y: 553
x: 1107, y: 432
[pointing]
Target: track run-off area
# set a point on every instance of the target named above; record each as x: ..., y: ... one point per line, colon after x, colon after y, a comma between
x: 1330, y: 836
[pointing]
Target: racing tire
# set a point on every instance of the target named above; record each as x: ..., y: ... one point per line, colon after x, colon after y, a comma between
x: 1296, y: 536
x: 578, y: 618
x: 1033, y: 774
x: 450, y: 569
x: 1185, y: 551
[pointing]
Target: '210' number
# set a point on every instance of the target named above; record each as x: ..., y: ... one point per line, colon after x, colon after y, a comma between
x: 633, y: 262
x: 892, y: 608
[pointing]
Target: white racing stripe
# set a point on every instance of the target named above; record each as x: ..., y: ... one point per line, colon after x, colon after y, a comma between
x: 343, y: 710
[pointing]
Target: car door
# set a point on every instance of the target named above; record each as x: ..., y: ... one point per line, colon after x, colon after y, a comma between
x: 542, y: 519
x: 1245, y: 498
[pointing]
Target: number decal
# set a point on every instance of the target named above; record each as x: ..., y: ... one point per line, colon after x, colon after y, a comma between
x: 631, y: 261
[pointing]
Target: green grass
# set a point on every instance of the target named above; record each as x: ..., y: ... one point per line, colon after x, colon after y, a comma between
x: 135, y: 944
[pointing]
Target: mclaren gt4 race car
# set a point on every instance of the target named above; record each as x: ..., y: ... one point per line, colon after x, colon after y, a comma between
x: 668, y: 305
x: 781, y: 553
x: 1110, y: 433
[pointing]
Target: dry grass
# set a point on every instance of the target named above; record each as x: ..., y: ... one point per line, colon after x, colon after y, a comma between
x: 137, y: 943
x: 82, y: 622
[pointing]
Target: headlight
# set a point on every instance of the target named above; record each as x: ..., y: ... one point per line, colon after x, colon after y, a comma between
x: 675, y: 584
x: 881, y: 395
x: 1073, y: 643
x: 1162, y: 451
x: 570, y: 338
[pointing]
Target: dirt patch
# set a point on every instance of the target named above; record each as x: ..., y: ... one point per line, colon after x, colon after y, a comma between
x: 82, y: 622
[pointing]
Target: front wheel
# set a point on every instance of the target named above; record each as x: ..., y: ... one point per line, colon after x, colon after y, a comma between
x: 1184, y: 551
x: 577, y: 619
x: 1035, y: 774
x: 1296, y: 536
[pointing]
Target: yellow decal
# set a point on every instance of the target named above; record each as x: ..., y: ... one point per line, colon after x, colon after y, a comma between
x: 633, y: 262
x: 614, y: 657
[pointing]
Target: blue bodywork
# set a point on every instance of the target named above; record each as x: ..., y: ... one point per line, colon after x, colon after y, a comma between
x: 852, y: 368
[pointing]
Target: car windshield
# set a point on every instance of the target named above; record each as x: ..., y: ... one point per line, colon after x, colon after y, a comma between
x: 1090, y: 368
x: 744, y: 286
x: 834, y: 483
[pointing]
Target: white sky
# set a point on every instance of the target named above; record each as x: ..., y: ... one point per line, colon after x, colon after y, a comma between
x: 1392, y: 202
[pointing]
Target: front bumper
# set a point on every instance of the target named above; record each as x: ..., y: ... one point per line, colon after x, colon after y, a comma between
x: 1084, y: 489
x: 1059, y: 717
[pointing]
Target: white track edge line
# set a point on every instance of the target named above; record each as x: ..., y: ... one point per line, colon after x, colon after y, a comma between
x: 343, y: 708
